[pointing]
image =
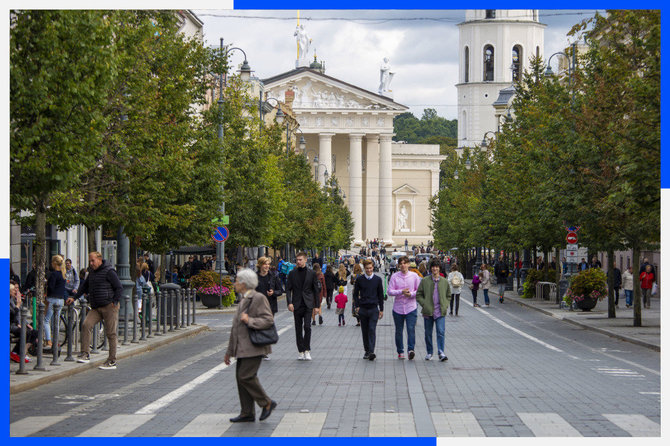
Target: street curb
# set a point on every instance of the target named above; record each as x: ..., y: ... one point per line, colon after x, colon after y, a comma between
x: 588, y: 327
x: 55, y: 375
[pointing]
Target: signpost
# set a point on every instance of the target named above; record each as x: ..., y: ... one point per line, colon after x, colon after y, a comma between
x: 220, y: 234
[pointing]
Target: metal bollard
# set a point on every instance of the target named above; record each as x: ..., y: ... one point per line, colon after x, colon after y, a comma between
x: 94, y: 338
x: 22, y: 342
x: 182, y: 305
x: 136, y: 316
x: 143, y: 299
x: 126, y: 299
x: 159, y: 307
x: 149, y: 320
x: 40, y: 334
x: 193, y: 304
x: 70, y: 332
x: 55, y: 323
x: 164, y: 310
x: 187, y: 294
x: 171, y: 296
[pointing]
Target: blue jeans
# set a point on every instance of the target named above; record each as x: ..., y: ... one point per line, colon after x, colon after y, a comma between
x: 486, y: 296
x: 400, y: 320
x: 49, y: 314
x: 428, y: 323
x: 629, y: 297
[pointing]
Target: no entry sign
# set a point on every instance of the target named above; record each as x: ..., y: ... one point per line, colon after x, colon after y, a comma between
x: 571, y: 237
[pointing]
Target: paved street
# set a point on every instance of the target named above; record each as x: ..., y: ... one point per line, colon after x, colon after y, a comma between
x: 512, y: 371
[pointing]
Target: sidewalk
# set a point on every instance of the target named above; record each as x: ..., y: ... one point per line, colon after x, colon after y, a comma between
x: 621, y: 327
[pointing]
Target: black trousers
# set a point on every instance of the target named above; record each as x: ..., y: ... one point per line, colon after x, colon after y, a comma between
x: 249, y: 387
x: 369, y: 317
x: 302, y: 316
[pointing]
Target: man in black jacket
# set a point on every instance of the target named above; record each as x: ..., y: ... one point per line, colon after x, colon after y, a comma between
x: 369, y: 303
x: 302, y: 289
x: 501, y: 270
x: 104, y: 294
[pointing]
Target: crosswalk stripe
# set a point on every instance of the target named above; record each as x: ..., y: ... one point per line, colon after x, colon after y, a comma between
x: 117, y: 426
x: 457, y: 424
x: 30, y: 425
x: 384, y: 424
x: 300, y: 425
x: 206, y: 425
x: 636, y: 425
x: 548, y: 425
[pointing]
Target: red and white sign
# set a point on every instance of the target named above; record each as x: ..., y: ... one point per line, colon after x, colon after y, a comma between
x: 571, y: 237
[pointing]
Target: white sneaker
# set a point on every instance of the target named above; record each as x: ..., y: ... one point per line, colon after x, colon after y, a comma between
x: 301, y: 356
x: 428, y: 357
x: 308, y: 357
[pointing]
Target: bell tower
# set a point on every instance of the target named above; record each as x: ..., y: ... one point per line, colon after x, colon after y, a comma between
x: 495, y: 47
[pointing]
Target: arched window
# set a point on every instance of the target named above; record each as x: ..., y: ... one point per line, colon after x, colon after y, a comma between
x: 490, y: 13
x: 517, y: 57
x: 464, y: 126
x: 488, y: 63
x: 467, y: 65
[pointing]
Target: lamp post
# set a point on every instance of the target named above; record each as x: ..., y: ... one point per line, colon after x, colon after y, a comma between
x: 245, y: 74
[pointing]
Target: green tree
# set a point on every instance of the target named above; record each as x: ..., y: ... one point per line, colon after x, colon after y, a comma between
x: 62, y: 64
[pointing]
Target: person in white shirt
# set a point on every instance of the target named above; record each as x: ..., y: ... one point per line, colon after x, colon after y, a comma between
x: 456, y: 281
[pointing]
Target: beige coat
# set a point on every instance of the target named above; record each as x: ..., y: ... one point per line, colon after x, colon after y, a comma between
x: 260, y: 317
x: 485, y: 277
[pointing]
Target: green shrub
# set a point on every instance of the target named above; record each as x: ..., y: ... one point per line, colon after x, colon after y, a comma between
x: 533, y: 276
x: 590, y: 283
x: 207, y: 281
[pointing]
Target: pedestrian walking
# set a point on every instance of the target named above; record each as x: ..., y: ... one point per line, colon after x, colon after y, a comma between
x: 643, y: 267
x: 474, y: 287
x: 253, y: 312
x: 402, y: 287
x: 55, y: 295
x: 302, y: 291
x: 628, y: 286
x: 501, y: 271
x: 434, y: 296
x: 646, y: 283
x: 71, y: 279
x: 595, y: 263
x: 331, y: 281
x: 321, y: 295
x: 104, y: 294
x: 341, y: 302
x: 357, y: 272
x: 269, y: 285
x: 369, y: 303
x: 616, y: 272
x: 456, y: 281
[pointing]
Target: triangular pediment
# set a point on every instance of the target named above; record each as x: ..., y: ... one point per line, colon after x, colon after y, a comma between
x: 316, y: 91
x: 405, y: 189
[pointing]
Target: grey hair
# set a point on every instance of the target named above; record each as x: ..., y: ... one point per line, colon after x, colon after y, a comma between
x: 248, y: 278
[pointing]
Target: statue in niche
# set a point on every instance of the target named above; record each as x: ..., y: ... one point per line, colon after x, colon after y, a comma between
x: 403, y: 216
x: 385, y: 76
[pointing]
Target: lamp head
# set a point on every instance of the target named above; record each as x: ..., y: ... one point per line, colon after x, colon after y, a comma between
x: 279, y: 117
x: 245, y: 71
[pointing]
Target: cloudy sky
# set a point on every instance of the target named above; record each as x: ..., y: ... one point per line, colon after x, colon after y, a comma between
x: 422, y: 46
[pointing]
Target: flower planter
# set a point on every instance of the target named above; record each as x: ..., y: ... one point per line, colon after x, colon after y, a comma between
x: 586, y: 304
x: 210, y: 300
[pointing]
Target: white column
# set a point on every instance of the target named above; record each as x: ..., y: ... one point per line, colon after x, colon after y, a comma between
x: 325, y: 155
x: 355, y: 194
x: 372, y: 187
x: 385, y: 189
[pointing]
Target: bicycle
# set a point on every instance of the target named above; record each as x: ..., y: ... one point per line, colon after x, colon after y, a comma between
x: 78, y: 324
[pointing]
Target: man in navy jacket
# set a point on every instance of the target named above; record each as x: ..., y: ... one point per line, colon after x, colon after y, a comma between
x: 369, y: 303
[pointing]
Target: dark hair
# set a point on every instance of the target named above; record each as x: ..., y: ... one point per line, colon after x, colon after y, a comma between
x: 316, y: 267
x: 433, y: 263
x: 403, y: 259
x: 454, y: 267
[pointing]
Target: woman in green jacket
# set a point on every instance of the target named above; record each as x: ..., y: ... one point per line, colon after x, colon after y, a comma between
x: 434, y: 295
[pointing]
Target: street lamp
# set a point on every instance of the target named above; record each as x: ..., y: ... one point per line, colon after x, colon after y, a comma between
x: 485, y: 143
x: 571, y: 66
x: 245, y: 74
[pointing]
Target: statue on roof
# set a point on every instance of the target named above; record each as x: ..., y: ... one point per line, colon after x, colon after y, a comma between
x: 303, y: 41
x: 385, y: 77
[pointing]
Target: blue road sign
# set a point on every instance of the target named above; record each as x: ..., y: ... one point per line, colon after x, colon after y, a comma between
x: 220, y: 234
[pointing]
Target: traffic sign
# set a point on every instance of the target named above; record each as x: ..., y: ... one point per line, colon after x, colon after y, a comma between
x: 220, y: 234
x: 571, y: 237
x: 224, y: 220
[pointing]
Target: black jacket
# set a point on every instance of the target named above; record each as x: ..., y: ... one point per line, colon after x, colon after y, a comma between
x: 267, y: 282
x: 102, y: 286
x: 306, y: 296
x: 369, y: 292
x: 501, y: 271
x: 331, y: 280
x: 56, y: 285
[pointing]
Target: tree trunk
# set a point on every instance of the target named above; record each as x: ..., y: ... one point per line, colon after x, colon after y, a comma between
x: 163, y: 267
x: 91, y: 239
x: 611, y: 309
x: 637, y: 306
x: 40, y: 250
x: 534, y: 256
x: 559, y: 267
x: 132, y: 253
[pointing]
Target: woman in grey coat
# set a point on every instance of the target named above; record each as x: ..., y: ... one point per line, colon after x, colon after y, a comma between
x: 253, y: 311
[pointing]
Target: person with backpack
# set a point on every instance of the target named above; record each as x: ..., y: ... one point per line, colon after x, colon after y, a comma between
x: 501, y: 271
x: 456, y: 281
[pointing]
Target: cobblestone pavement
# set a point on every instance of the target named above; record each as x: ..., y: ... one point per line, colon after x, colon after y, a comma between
x: 512, y: 372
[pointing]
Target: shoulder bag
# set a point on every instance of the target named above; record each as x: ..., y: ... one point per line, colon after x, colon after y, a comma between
x: 266, y: 336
